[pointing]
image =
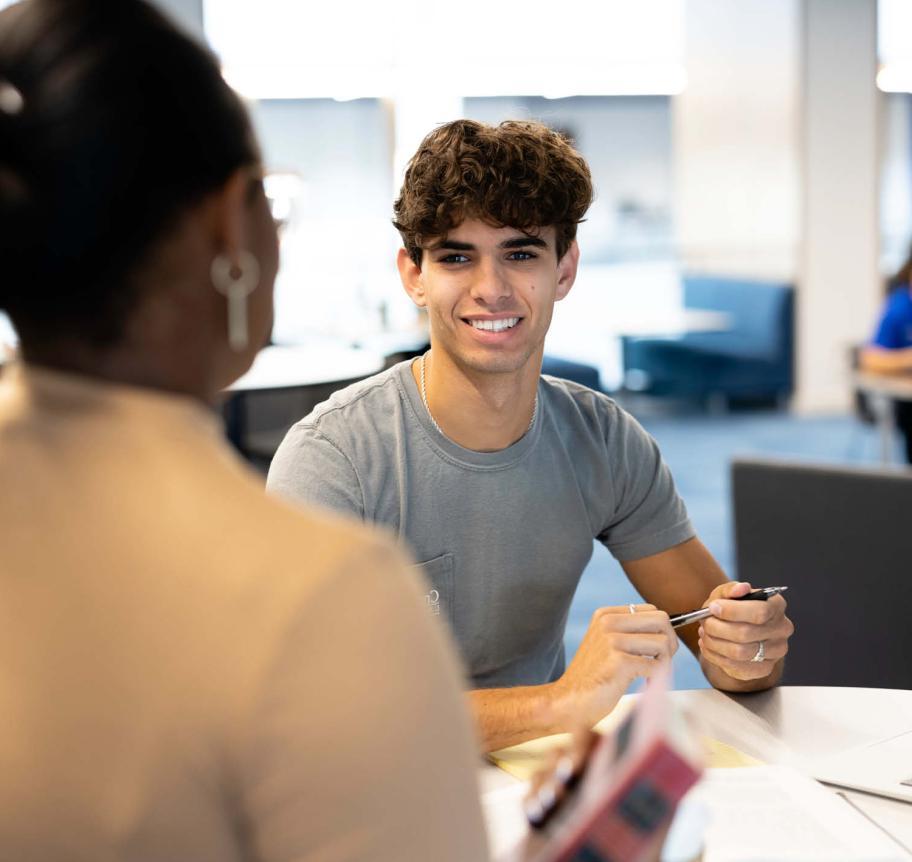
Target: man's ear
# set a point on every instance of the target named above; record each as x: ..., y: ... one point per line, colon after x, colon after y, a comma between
x: 566, y: 270
x: 412, y: 281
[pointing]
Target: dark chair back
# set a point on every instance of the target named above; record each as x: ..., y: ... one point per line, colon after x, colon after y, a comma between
x: 841, y: 539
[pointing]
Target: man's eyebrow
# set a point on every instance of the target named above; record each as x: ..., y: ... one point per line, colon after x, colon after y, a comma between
x: 451, y: 245
x: 523, y: 241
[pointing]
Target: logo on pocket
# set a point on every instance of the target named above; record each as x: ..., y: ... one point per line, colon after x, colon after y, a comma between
x: 432, y: 600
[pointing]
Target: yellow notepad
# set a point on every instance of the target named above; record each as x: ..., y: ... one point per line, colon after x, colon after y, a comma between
x: 721, y: 755
x: 524, y: 760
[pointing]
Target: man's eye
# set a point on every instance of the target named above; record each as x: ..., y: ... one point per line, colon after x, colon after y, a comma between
x: 522, y: 255
x: 453, y: 258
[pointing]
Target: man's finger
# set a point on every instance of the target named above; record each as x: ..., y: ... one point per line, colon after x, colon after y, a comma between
x: 625, y: 609
x: 648, y: 667
x: 731, y: 590
x: 773, y: 649
x: 743, y: 632
x: 648, y: 621
x: 644, y: 644
x: 756, y: 613
x: 737, y: 669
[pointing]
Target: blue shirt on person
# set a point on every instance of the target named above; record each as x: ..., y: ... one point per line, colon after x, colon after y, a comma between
x: 895, y: 328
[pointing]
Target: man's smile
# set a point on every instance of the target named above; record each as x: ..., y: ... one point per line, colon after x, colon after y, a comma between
x: 493, y: 324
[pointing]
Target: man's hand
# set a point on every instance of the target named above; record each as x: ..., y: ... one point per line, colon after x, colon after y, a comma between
x: 730, y: 639
x: 618, y: 647
x: 680, y: 579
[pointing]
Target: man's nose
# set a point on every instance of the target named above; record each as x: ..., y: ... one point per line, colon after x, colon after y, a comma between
x: 491, y: 285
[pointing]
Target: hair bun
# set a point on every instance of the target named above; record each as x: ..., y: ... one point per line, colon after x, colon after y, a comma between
x: 98, y: 159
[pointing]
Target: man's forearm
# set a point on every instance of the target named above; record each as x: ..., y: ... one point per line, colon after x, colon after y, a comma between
x: 508, y: 716
x: 719, y: 679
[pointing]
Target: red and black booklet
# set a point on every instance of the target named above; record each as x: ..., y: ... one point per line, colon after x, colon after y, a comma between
x: 625, y: 800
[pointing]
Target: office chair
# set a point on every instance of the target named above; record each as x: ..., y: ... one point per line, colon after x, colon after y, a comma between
x: 841, y: 539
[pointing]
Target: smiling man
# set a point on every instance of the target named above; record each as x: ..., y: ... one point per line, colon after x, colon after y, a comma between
x: 499, y: 479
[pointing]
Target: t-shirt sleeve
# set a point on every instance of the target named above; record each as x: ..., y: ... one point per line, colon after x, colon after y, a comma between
x: 891, y: 329
x: 648, y: 516
x: 309, y: 468
x: 359, y: 744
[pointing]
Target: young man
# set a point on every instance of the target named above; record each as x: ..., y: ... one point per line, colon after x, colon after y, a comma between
x: 499, y: 479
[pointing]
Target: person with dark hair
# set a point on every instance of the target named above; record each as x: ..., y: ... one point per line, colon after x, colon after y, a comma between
x: 890, y: 350
x: 498, y: 478
x: 189, y: 670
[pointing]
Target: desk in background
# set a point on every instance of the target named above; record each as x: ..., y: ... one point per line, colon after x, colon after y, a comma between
x: 882, y: 390
x: 785, y: 726
x: 313, y: 372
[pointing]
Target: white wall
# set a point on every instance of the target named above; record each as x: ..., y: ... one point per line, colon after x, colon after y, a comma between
x: 339, y: 251
x: 735, y: 134
x: 627, y: 142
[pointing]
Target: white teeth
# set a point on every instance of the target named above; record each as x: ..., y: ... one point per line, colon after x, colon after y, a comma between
x: 495, y: 325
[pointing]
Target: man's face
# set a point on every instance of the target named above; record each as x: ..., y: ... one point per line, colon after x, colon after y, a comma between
x: 489, y: 293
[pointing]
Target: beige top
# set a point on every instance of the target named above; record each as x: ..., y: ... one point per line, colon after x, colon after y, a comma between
x: 190, y: 670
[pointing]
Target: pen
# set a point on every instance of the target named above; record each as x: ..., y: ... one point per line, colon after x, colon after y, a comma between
x: 760, y: 595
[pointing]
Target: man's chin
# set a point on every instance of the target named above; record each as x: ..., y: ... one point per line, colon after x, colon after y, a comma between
x: 500, y: 363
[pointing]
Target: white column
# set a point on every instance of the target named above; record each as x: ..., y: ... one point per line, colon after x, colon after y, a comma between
x: 840, y: 292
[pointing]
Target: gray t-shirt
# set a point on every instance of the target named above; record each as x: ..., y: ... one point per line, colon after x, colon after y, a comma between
x: 502, y: 537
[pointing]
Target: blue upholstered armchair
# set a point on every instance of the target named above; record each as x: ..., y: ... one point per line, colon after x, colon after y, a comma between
x: 752, y: 359
x: 579, y: 372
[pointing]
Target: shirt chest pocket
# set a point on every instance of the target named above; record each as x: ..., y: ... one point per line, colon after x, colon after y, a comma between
x: 438, y: 585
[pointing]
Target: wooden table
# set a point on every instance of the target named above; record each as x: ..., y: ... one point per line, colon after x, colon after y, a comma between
x: 320, y: 367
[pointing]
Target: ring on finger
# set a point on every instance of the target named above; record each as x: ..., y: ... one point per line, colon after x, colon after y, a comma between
x: 760, y: 655
x: 633, y: 610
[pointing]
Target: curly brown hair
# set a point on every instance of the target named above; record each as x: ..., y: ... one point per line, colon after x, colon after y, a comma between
x: 517, y: 174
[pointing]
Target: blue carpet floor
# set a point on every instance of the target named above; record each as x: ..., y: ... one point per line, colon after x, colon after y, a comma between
x: 699, y: 448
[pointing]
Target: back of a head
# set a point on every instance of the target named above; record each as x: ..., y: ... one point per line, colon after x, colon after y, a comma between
x: 523, y: 175
x: 112, y: 123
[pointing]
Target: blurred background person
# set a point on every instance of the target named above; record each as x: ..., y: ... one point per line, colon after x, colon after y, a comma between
x: 890, y: 350
x: 188, y: 670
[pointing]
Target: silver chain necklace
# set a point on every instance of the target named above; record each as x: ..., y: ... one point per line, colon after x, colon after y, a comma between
x: 431, y: 415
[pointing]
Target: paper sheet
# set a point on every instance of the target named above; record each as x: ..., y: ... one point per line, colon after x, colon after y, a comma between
x: 505, y: 820
x: 755, y: 815
x: 776, y: 813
